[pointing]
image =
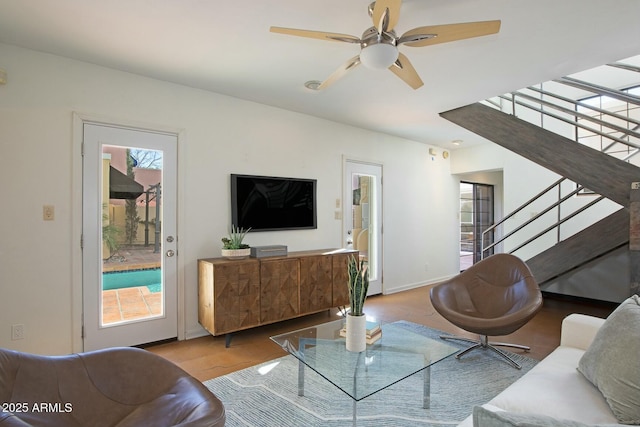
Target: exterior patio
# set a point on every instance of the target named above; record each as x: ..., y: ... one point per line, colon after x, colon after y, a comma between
x: 134, y: 303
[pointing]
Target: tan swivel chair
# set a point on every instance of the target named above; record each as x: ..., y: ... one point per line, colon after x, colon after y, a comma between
x: 123, y: 387
x: 495, y: 296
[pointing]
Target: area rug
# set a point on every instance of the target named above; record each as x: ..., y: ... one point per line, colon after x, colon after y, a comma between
x: 267, y: 394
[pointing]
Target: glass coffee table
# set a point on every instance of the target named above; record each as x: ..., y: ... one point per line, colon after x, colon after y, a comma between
x: 399, y: 354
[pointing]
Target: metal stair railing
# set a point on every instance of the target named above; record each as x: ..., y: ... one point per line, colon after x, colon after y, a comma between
x: 570, y: 111
x: 579, y: 115
x: 556, y: 225
x: 576, y: 114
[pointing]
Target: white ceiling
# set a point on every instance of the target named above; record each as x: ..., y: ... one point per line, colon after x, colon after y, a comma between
x: 226, y: 47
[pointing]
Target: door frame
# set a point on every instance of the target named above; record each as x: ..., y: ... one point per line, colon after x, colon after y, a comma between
x: 78, y: 121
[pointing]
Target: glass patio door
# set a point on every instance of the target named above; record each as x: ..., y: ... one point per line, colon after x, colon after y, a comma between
x: 363, y: 217
x: 476, y: 216
x: 129, y: 236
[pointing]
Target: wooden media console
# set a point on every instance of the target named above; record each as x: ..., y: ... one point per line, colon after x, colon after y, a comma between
x: 234, y: 295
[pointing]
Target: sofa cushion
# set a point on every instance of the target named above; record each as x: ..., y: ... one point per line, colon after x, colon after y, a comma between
x: 544, y: 389
x: 611, y: 361
x: 483, y: 417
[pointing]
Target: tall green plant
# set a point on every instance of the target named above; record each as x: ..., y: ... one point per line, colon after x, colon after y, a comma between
x: 109, y: 232
x: 131, y: 209
x: 358, y: 285
x: 109, y: 237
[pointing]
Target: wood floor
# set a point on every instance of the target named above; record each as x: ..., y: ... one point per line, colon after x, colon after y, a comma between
x: 207, y: 357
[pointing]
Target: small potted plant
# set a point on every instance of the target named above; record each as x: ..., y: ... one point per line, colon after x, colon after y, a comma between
x: 232, y: 246
x: 356, y: 328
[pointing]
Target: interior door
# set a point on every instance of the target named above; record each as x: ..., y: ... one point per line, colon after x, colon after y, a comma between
x: 129, y: 261
x: 363, y: 217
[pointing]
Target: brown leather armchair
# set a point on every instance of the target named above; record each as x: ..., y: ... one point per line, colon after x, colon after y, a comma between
x: 495, y: 296
x: 114, y: 387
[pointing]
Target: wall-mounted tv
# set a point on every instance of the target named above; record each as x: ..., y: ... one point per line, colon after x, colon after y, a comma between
x: 267, y: 203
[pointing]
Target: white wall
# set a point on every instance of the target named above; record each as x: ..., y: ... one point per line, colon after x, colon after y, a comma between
x: 40, y: 164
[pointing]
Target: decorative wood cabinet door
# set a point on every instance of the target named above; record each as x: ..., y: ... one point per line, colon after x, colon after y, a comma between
x: 279, y: 289
x: 241, y: 294
x: 229, y: 295
x: 340, y: 291
x: 315, y: 283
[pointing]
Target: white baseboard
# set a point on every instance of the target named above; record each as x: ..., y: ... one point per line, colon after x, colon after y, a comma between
x: 196, y: 333
x: 409, y: 286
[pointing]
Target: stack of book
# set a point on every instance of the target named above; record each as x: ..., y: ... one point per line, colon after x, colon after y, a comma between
x: 374, y: 332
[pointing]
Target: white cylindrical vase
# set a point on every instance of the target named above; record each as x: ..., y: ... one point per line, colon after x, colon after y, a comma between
x: 236, y: 253
x: 356, y: 333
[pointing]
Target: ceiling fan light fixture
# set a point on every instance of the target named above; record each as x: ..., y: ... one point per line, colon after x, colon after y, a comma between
x: 379, y: 43
x: 379, y: 56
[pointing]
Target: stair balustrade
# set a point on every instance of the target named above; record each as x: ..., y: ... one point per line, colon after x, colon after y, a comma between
x: 617, y: 134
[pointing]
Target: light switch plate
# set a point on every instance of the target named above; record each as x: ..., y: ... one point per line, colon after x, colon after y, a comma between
x: 48, y: 213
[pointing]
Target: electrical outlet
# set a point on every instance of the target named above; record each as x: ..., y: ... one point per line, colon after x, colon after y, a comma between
x: 48, y: 212
x: 17, y: 332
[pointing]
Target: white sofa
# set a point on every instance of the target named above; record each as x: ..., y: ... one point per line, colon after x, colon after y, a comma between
x: 554, y: 387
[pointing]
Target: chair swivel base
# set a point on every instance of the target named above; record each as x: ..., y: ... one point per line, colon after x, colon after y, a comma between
x: 485, y: 344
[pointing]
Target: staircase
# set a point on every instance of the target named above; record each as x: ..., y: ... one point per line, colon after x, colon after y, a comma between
x: 520, y: 122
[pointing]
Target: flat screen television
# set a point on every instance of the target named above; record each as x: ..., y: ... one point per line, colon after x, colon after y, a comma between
x: 267, y: 203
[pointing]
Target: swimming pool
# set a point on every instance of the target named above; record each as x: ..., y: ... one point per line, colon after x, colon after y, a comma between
x: 151, y: 278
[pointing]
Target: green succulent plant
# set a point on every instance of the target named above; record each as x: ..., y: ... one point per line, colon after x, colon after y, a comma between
x: 110, y: 232
x: 236, y: 236
x: 358, y: 285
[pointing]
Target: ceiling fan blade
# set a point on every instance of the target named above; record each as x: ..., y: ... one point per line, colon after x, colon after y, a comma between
x: 335, y: 37
x: 404, y: 69
x: 423, y: 36
x: 340, y: 72
x: 385, y: 14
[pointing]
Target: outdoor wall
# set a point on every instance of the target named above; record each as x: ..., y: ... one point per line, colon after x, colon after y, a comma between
x: 118, y: 217
x: 40, y: 261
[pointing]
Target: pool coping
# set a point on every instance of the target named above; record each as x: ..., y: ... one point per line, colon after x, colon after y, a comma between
x: 111, y: 268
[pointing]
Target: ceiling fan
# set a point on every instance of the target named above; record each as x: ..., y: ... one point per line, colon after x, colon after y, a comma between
x: 379, y: 44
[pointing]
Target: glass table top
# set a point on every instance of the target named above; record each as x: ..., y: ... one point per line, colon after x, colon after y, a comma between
x: 399, y: 354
